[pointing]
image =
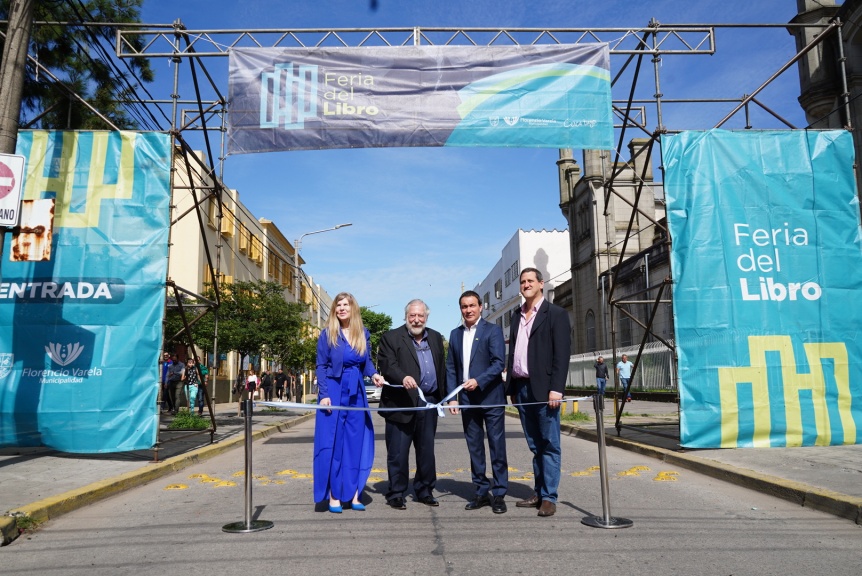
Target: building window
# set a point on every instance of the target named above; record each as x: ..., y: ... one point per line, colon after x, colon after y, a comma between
x: 498, y: 289
x: 590, y: 327
x: 227, y: 223
x: 243, y: 239
x: 486, y: 300
x: 625, y: 331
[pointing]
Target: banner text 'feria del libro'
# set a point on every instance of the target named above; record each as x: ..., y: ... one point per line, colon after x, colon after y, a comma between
x: 767, y: 269
x: 549, y: 96
x: 80, y: 333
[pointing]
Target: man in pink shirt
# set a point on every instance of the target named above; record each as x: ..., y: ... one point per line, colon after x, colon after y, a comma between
x: 538, y: 364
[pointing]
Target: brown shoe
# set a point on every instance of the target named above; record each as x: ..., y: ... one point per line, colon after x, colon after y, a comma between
x: 531, y: 502
x: 547, y: 508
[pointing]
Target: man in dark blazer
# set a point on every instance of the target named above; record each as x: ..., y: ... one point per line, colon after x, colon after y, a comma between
x: 476, y: 356
x: 539, y: 349
x: 411, y: 356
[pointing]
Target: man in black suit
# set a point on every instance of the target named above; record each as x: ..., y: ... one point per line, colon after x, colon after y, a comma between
x: 411, y: 356
x: 476, y: 358
x: 538, y: 364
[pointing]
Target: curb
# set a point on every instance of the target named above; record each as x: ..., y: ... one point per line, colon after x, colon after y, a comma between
x: 835, y: 503
x: 55, y: 506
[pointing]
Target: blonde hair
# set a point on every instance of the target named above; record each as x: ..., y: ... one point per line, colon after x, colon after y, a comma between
x: 355, y: 329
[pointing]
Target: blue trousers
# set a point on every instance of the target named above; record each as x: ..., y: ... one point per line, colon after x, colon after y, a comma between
x: 541, y: 426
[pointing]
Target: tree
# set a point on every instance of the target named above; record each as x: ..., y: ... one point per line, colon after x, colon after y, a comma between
x: 82, y: 58
x: 253, y: 319
x: 377, y: 323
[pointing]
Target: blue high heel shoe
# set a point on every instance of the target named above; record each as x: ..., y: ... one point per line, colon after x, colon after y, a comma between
x: 335, y: 509
x: 357, y: 506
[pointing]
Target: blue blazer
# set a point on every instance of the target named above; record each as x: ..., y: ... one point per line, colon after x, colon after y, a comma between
x: 487, y: 359
x: 330, y: 361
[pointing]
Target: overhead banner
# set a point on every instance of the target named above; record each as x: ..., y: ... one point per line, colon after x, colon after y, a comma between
x: 767, y: 267
x: 80, y: 327
x: 548, y: 96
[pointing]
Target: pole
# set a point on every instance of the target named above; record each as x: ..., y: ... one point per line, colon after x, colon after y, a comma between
x: 248, y: 524
x: 606, y: 521
x: 12, y: 69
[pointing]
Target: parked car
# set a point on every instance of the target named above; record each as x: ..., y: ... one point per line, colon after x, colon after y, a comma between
x: 372, y: 391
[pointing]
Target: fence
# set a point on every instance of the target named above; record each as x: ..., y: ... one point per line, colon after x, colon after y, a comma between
x: 656, y: 370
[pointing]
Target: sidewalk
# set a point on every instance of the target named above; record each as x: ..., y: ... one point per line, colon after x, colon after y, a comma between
x: 42, y: 484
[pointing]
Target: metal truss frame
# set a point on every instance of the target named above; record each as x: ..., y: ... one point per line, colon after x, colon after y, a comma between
x: 205, y: 113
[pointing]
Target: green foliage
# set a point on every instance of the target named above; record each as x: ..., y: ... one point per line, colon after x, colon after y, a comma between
x: 575, y: 417
x: 81, y: 57
x: 254, y: 319
x: 25, y: 524
x: 185, y: 420
x: 377, y: 323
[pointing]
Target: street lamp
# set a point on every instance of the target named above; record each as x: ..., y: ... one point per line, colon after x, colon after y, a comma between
x: 298, y: 244
x: 297, y: 247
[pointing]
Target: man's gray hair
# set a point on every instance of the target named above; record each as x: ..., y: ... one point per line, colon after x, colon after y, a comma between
x: 414, y: 302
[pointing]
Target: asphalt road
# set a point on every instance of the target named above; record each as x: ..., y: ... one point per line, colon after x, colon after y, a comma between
x: 684, y: 523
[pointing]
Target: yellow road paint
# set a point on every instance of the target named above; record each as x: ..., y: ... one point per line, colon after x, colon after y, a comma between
x: 199, y: 476
x: 238, y: 474
x: 378, y: 471
x: 176, y: 487
x: 303, y: 476
x: 286, y: 473
x: 584, y: 473
x: 210, y: 479
x: 667, y: 476
x: 225, y: 484
x: 375, y: 479
x: 513, y: 469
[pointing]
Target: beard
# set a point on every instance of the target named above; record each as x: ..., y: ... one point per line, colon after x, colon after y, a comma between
x: 416, y: 330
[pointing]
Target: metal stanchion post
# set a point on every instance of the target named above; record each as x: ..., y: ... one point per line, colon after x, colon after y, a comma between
x: 248, y: 525
x: 607, y: 521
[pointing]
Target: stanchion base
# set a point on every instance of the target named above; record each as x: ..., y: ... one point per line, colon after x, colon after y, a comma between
x: 597, y: 522
x: 242, y: 527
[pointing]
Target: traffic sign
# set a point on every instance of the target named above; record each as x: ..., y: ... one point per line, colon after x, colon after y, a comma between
x: 11, y: 178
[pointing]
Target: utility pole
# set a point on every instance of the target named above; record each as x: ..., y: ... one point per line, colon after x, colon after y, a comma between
x: 12, y: 68
x: 12, y: 71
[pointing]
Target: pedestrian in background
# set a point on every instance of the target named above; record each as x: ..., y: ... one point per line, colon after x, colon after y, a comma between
x: 176, y: 373
x: 281, y: 392
x: 166, y: 396
x: 624, y: 372
x: 601, y: 375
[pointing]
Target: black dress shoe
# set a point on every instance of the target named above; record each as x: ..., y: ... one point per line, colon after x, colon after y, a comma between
x: 429, y: 501
x: 498, y: 505
x: 397, y: 503
x: 479, y: 502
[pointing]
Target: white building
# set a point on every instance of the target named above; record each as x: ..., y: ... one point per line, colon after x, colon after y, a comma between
x: 547, y: 251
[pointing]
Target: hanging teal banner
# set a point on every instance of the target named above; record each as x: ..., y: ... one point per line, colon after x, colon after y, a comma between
x: 548, y: 96
x: 767, y: 265
x: 81, y: 316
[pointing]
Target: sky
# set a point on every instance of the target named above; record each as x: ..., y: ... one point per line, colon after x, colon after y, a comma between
x: 429, y: 222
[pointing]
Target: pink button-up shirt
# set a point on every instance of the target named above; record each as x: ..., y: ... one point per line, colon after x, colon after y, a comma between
x: 519, y: 360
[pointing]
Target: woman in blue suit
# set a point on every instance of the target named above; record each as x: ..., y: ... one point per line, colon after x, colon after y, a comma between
x: 343, y: 439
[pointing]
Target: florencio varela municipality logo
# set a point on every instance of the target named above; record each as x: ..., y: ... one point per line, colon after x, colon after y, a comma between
x: 7, y: 360
x: 63, y: 354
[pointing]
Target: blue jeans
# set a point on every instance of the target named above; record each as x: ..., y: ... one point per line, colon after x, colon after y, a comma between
x: 624, y: 382
x: 600, y: 384
x: 542, y: 431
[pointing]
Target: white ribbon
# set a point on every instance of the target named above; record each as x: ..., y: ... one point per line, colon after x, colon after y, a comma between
x: 439, y: 406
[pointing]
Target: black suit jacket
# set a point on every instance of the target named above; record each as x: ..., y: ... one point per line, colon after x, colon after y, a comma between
x: 397, y: 358
x: 548, y: 351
